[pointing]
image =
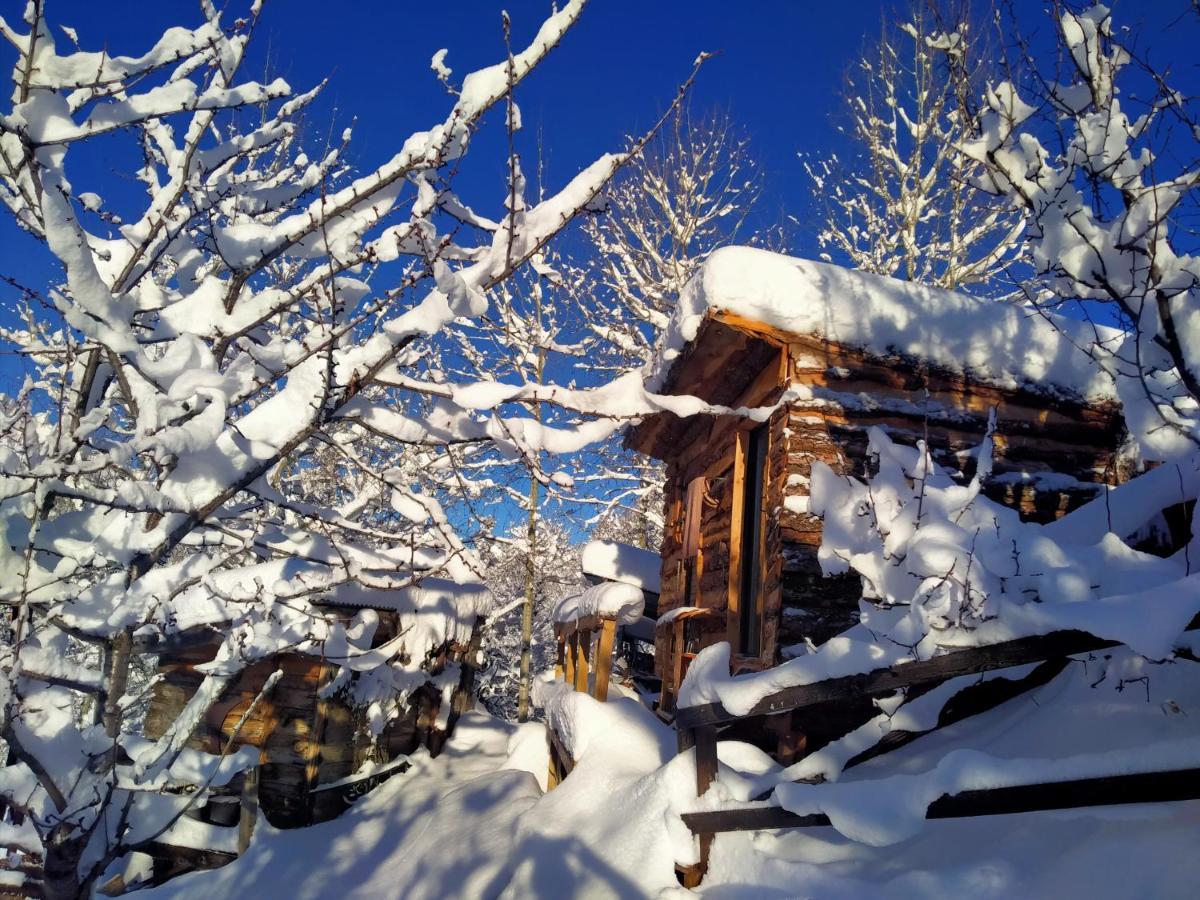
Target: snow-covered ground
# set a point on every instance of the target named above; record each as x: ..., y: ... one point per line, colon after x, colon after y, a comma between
x: 475, y: 823
x: 446, y: 827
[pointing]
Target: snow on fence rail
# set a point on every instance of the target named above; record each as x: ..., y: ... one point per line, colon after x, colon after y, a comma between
x: 1139, y: 787
x: 620, y: 602
x: 585, y: 626
x: 697, y: 726
x: 902, y: 674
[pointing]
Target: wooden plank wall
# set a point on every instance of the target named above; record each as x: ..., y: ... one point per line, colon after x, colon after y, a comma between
x: 708, y: 449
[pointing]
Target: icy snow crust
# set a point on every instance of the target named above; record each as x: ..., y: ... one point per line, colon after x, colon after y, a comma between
x: 1008, y: 345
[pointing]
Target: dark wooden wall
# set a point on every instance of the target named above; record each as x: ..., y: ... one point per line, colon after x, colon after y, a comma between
x: 306, y: 741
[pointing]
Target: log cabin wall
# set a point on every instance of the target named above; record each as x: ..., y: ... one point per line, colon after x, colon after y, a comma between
x: 1050, y: 456
x: 306, y: 740
x: 709, y: 449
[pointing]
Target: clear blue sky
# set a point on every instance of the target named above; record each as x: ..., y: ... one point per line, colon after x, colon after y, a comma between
x: 778, y: 74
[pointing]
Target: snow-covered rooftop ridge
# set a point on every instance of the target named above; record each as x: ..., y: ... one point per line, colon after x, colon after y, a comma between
x: 1008, y: 345
x: 621, y: 562
x: 612, y: 599
x: 468, y: 599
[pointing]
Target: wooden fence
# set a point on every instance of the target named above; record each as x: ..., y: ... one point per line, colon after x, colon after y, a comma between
x: 698, y: 727
x: 585, y: 656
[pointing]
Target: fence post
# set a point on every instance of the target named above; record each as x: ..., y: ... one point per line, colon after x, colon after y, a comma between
x: 249, y: 809
x: 604, y: 658
x: 583, y: 648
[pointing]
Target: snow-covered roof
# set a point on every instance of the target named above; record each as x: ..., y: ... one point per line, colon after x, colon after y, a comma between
x: 611, y: 599
x: 1005, y: 344
x: 621, y: 562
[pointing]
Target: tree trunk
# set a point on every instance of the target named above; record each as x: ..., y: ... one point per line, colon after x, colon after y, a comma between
x: 118, y: 679
x: 60, y: 868
x: 527, y: 609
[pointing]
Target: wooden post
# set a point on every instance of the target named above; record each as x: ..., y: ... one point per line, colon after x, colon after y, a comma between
x: 560, y: 656
x: 604, y: 653
x: 734, y: 599
x: 552, y: 775
x: 583, y: 644
x: 249, y: 809
x: 678, y: 645
x: 706, y: 773
x: 685, y: 739
x: 572, y: 643
x: 706, y: 758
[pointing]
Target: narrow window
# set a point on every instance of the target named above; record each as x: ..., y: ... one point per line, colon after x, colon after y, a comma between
x: 750, y: 588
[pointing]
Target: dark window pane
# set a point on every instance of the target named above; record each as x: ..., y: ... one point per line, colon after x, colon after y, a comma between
x: 750, y: 589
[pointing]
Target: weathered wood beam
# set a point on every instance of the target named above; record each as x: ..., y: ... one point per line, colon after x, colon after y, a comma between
x: 967, y: 661
x: 604, y: 658
x: 1114, y: 790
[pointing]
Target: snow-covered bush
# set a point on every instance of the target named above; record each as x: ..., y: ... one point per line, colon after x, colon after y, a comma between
x: 943, y: 566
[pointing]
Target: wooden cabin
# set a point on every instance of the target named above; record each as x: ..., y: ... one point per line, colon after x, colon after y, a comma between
x: 827, y: 354
x: 312, y: 744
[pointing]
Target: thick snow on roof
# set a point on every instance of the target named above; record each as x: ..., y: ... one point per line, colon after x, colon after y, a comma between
x: 621, y: 562
x: 1008, y: 345
x: 612, y: 599
x: 466, y: 600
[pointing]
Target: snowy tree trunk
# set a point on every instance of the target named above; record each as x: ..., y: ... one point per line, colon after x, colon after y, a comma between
x: 60, y: 867
x: 118, y: 680
x: 527, y: 610
x: 531, y: 573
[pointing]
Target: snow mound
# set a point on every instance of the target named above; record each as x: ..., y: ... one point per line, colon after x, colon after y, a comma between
x: 612, y: 599
x: 621, y: 562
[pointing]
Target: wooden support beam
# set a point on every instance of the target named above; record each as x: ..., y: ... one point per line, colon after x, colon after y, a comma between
x: 604, y: 654
x: 316, y: 735
x: 583, y: 650
x: 1115, y: 790
x: 705, y: 739
x: 561, y: 762
x: 706, y: 758
x: 572, y: 644
x: 967, y: 661
x: 248, y: 814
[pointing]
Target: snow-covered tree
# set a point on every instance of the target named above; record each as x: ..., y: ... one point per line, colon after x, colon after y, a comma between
x: 257, y: 313
x: 1104, y: 186
x: 687, y: 193
x: 900, y: 201
x: 553, y: 558
x: 683, y: 195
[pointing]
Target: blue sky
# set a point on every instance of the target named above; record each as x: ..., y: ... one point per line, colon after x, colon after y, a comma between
x: 778, y: 72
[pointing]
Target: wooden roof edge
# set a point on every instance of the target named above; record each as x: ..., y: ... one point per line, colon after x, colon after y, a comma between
x: 644, y: 435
